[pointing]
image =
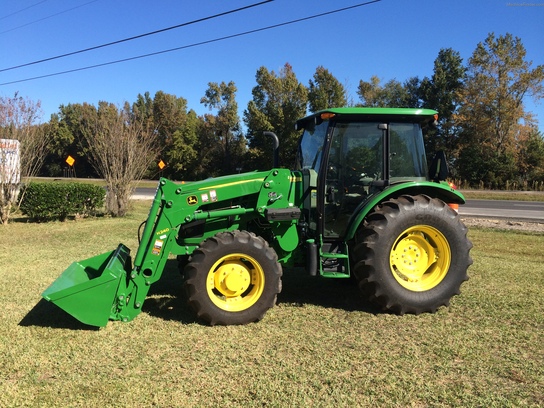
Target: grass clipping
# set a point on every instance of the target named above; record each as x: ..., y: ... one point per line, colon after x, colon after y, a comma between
x: 322, y: 346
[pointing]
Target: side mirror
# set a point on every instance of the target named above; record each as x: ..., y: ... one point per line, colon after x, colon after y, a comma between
x: 438, y: 171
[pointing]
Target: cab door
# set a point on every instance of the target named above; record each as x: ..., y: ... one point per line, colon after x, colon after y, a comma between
x: 355, y: 159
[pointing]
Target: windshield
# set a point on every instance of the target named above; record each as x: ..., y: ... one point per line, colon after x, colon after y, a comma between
x: 311, y: 147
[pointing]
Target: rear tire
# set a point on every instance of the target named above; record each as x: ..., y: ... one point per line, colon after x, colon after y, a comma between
x: 233, y: 278
x: 411, y: 255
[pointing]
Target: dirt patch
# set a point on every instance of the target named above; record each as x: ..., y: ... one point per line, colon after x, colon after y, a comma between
x: 504, y: 224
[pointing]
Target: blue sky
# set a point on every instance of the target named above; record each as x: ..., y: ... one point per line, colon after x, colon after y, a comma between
x: 391, y: 39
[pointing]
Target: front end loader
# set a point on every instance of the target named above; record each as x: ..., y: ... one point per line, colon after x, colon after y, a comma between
x: 360, y: 202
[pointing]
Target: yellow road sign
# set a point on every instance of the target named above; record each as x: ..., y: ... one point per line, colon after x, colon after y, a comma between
x: 70, y: 160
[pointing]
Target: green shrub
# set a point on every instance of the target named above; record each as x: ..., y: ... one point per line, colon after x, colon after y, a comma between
x: 50, y: 201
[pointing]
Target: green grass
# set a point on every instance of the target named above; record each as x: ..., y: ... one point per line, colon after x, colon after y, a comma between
x: 503, y: 195
x: 322, y: 346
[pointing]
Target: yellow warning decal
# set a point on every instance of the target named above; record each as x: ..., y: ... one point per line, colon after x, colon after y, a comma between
x: 157, y: 247
x: 234, y: 183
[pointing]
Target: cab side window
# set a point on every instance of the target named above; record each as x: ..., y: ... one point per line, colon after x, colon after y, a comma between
x: 355, y: 160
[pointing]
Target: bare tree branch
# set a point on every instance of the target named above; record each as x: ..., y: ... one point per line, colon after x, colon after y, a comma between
x: 120, y: 151
x: 18, y: 117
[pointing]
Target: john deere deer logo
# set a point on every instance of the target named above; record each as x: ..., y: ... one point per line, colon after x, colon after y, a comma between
x: 192, y: 200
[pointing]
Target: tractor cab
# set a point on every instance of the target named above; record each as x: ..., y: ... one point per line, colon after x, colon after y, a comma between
x: 349, y: 155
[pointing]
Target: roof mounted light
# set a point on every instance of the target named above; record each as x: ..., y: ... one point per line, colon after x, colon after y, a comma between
x: 327, y: 115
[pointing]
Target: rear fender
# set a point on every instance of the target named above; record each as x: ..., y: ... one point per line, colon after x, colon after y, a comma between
x: 440, y: 190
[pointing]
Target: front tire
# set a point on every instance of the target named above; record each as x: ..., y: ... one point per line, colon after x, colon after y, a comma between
x: 411, y: 255
x: 233, y: 278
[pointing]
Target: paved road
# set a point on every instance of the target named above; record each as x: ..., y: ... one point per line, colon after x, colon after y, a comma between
x: 523, y: 210
x: 143, y: 193
x: 520, y: 210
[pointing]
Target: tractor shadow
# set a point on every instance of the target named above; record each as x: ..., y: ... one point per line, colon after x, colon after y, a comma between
x: 300, y: 289
x: 167, y: 299
x: 46, y: 314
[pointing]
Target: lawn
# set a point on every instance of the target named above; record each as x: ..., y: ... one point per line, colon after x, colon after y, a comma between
x: 503, y: 195
x: 322, y: 346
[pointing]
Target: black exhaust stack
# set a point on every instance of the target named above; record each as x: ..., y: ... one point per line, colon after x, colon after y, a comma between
x: 276, y: 148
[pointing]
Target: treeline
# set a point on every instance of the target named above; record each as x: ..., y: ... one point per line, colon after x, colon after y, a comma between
x: 484, y: 128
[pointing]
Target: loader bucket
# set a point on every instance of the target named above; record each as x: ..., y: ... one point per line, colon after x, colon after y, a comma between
x: 88, y: 289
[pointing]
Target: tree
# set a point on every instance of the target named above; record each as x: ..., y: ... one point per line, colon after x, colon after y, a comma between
x: 208, y: 150
x: 325, y: 91
x: 225, y: 125
x: 142, y: 111
x: 392, y: 94
x: 531, y: 157
x: 176, y: 142
x: 67, y: 139
x: 413, y: 97
x: 120, y: 150
x: 18, y: 117
x: 492, y: 115
x: 441, y: 93
x: 62, y: 144
x: 168, y: 115
x: 278, y: 101
x: 182, y: 153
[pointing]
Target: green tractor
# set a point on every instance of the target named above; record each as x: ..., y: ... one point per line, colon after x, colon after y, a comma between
x: 360, y: 203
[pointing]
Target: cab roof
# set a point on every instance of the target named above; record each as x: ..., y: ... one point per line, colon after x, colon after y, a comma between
x: 359, y: 114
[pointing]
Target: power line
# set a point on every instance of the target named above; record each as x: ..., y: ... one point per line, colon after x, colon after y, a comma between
x: 26, y: 8
x: 137, y: 36
x: 47, y: 17
x: 194, y: 44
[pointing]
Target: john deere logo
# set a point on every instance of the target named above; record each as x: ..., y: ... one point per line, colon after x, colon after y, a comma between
x: 192, y: 200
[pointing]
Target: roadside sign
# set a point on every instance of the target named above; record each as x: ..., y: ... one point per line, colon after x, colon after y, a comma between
x: 161, y: 165
x: 70, y: 161
x: 10, y: 161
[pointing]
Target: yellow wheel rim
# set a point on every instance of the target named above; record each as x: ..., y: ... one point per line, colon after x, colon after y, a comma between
x: 420, y: 258
x: 235, y: 282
